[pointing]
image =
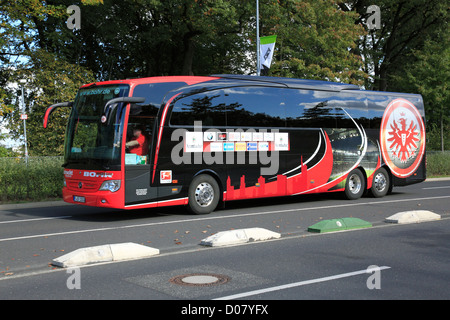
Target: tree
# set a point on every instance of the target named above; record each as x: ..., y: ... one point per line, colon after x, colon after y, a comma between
x: 26, y: 53
x: 156, y: 38
x: 315, y: 40
x: 50, y: 80
x: 428, y: 73
x: 326, y: 39
x: 16, y: 39
x: 405, y: 26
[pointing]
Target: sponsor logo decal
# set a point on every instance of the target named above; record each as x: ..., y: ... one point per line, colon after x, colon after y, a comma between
x: 68, y: 173
x: 194, y: 142
x: 93, y: 174
x: 252, y: 146
x: 166, y: 176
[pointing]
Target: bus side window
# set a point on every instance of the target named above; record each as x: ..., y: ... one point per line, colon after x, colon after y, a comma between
x: 255, y: 107
x: 311, y: 109
x: 235, y: 107
x: 207, y: 108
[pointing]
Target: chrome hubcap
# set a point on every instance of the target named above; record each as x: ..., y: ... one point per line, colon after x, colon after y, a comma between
x: 380, y: 182
x: 204, y: 194
x: 354, y: 184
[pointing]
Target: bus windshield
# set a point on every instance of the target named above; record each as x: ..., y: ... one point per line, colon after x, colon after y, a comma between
x: 93, y: 140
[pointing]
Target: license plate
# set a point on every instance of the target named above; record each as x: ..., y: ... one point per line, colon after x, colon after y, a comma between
x: 79, y: 199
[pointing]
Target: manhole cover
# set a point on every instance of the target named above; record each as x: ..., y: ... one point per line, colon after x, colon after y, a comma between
x: 200, y: 279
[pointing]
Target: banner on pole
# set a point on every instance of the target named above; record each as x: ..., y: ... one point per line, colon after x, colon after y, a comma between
x: 267, y: 47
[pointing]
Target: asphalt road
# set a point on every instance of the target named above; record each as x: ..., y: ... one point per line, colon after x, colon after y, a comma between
x: 387, y: 261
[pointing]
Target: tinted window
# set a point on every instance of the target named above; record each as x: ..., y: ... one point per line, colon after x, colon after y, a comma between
x: 154, y: 93
x: 240, y: 107
x: 377, y: 105
x: 143, y: 115
x: 206, y: 107
x: 316, y: 109
x: 255, y: 107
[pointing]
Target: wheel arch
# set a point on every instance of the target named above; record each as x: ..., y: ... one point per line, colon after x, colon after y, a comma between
x: 364, y: 173
x: 216, y: 176
x: 391, y: 177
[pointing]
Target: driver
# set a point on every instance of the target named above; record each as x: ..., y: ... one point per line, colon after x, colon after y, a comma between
x: 138, y: 143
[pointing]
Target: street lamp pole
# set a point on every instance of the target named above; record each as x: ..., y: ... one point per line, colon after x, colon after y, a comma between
x: 258, y: 68
x: 23, y: 81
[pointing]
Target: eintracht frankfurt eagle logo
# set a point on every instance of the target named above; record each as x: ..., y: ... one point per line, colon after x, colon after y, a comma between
x: 402, y: 136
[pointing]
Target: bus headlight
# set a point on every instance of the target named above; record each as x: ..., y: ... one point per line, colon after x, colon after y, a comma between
x: 110, y: 185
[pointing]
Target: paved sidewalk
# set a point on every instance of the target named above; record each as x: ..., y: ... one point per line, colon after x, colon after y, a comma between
x: 42, y: 204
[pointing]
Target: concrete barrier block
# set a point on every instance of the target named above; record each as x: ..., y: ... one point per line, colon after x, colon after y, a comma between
x: 104, y: 253
x: 128, y: 251
x: 414, y: 216
x: 84, y: 256
x: 238, y: 236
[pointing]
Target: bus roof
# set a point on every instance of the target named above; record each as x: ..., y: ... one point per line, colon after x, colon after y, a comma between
x: 294, y: 83
x: 192, y: 80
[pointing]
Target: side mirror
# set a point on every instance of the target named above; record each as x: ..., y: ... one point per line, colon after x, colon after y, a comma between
x: 111, y: 104
x: 52, y: 108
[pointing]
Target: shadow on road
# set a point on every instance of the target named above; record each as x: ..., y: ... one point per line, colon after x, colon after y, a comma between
x: 93, y: 214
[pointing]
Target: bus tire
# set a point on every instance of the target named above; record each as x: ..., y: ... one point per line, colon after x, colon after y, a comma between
x: 355, y: 185
x: 381, y: 183
x: 204, y: 194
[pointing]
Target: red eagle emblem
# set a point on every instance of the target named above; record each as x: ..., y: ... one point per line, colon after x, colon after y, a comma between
x: 403, y: 139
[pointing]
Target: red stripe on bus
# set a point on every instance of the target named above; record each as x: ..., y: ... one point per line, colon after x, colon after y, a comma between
x: 161, y: 127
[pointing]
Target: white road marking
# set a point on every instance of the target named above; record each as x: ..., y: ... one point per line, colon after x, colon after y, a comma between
x: 350, y: 204
x: 431, y: 188
x: 298, y: 284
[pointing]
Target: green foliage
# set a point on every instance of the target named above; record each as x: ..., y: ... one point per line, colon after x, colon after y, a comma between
x: 6, y: 152
x: 50, y: 80
x: 427, y: 72
x: 435, y: 136
x: 315, y: 41
x: 405, y: 26
x: 39, y: 180
x: 160, y: 37
x: 438, y: 164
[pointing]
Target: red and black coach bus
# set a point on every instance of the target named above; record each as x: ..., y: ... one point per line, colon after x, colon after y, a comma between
x: 202, y: 140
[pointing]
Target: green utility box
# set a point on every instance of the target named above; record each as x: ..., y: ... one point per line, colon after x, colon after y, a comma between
x: 333, y: 225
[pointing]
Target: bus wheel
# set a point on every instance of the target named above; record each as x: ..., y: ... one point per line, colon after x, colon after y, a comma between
x: 355, y: 185
x: 203, y: 194
x: 381, y: 183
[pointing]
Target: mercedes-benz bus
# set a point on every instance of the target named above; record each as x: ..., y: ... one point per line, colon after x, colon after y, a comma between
x: 200, y: 141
